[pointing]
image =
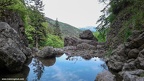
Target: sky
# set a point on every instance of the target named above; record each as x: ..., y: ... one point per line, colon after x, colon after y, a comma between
x: 78, y: 13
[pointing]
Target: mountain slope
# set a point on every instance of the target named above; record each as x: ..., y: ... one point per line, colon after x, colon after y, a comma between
x: 66, y: 29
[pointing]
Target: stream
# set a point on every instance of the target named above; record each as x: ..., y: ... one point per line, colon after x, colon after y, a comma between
x: 61, y: 68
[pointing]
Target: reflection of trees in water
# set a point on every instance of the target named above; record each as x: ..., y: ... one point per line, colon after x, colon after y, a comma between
x: 75, y: 59
x: 38, y: 70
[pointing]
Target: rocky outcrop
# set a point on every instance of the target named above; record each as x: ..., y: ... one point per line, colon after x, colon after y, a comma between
x: 15, y: 21
x: 13, y: 52
x: 49, y: 52
x: 85, y: 46
x: 85, y: 37
x: 128, y: 58
x: 105, y: 76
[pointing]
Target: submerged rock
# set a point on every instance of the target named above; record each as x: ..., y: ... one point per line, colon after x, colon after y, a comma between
x: 12, y: 51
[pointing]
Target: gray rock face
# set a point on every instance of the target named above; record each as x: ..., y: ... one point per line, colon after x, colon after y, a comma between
x: 87, y: 34
x: 116, y: 61
x: 135, y: 75
x: 105, y: 76
x: 12, y: 51
x: 128, y: 59
x: 49, y: 52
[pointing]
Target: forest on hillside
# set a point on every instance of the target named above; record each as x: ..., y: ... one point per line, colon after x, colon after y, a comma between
x: 36, y: 27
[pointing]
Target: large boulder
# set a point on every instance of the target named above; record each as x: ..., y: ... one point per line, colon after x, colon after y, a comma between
x: 49, y: 52
x: 12, y: 51
x: 87, y: 34
x: 105, y: 76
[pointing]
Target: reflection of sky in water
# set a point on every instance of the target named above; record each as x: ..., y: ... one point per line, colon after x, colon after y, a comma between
x: 75, y: 69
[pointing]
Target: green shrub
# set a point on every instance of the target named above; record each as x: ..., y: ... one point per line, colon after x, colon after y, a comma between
x: 54, y: 41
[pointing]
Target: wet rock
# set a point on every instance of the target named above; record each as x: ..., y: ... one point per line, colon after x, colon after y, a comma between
x: 105, y: 76
x: 12, y: 51
x: 132, y: 75
x: 133, y: 53
x: 87, y: 34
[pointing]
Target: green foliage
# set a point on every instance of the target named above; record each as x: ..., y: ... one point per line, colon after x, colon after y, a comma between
x: 101, y: 34
x: 19, y: 7
x: 99, y: 37
x: 54, y: 41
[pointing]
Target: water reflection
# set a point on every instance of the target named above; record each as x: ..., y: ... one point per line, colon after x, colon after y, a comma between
x: 38, y: 69
x: 65, y: 68
x: 48, y: 62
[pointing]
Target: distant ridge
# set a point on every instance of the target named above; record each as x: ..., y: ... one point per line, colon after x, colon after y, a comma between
x: 92, y: 28
x: 66, y: 29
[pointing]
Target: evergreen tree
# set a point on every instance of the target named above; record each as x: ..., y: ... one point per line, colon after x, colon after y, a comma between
x: 57, y: 30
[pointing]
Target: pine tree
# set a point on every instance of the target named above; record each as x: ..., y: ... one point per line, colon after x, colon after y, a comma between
x: 57, y: 30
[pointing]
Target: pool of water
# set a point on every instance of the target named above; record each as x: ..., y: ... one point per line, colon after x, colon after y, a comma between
x: 62, y: 68
x: 65, y: 68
